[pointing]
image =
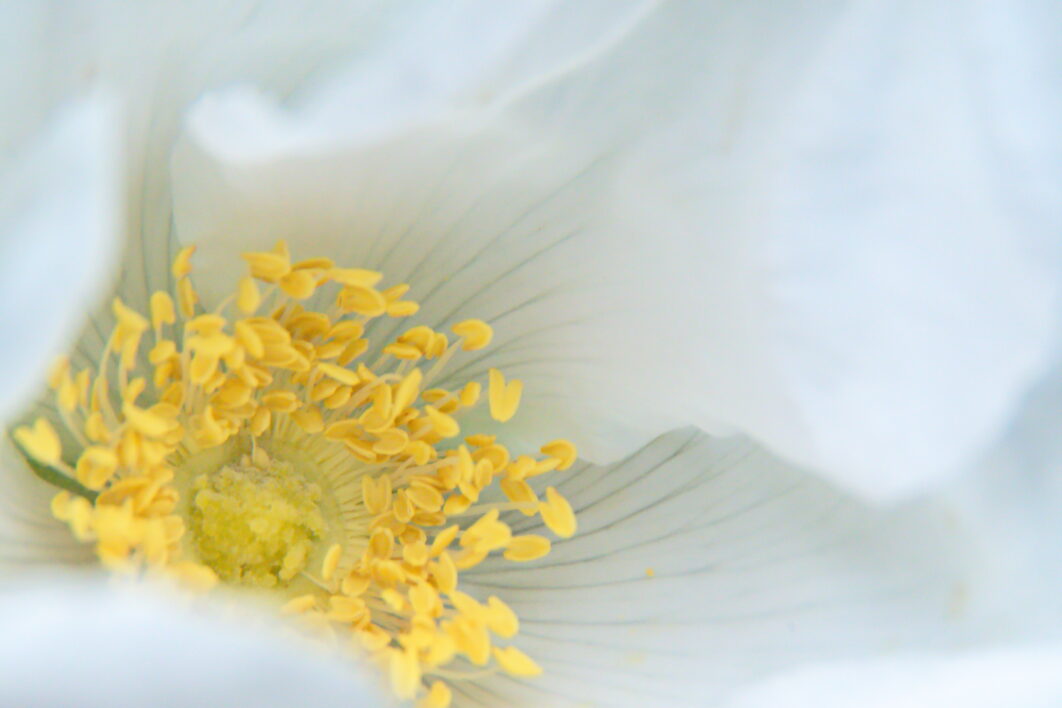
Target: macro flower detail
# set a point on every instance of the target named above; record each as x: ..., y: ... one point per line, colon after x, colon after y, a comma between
x: 271, y: 444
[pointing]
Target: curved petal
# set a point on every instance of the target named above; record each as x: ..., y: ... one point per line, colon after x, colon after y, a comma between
x: 702, y: 564
x: 770, y: 217
x: 1012, y: 500
x: 79, y: 641
x: 1030, y: 677
x: 59, y: 198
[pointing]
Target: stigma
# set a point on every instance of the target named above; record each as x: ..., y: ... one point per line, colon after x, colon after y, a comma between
x: 274, y: 445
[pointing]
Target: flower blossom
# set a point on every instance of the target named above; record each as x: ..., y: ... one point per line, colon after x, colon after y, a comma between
x: 419, y: 260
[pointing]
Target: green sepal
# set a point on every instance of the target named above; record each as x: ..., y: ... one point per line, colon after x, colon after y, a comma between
x: 55, y: 477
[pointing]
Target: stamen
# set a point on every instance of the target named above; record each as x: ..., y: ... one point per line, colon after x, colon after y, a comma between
x: 258, y: 449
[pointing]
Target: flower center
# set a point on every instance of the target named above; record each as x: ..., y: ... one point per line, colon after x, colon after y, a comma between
x: 272, y: 445
x: 256, y: 524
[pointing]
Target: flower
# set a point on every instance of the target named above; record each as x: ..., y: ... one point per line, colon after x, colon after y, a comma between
x: 279, y: 448
x: 502, y: 177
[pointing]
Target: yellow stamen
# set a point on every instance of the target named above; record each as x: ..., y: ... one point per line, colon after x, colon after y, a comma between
x: 253, y: 447
x: 504, y: 397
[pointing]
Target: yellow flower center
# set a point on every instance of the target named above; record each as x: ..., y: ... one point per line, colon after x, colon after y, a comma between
x: 272, y: 444
x: 256, y: 524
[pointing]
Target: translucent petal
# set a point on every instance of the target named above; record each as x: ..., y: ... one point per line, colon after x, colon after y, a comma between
x: 1027, y: 676
x: 71, y: 640
x: 59, y: 197
x: 800, y: 222
x: 701, y: 564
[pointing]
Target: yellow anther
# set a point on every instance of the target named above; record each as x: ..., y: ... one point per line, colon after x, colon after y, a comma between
x: 162, y: 310
x: 96, y: 465
x: 267, y: 266
x: 203, y: 368
x: 355, y: 277
x: 443, y: 539
x: 340, y: 373
x: 393, y: 293
x: 439, y: 344
x: 476, y: 334
x: 58, y: 371
x: 423, y: 598
x: 472, y: 640
x: 232, y: 394
x: 515, y: 662
x: 425, y: 497
x: 299, y: 605
x: 346, y: 330
x: 346, y: 609
x: 162, y: 352
x: 496, y: 454
x: 403, y: 507
x: 520, y: 492
x: 309, y: 418
x: 381, y: 543
x: 247, y: 296
x: 147, y: 422
x: 391, y: 442
x: 128, y: 319
x: 407, y: 352
x: 281, y: 401
x: 352, y: 351
x: 439, y: 696
x: 314, y: 264
x: 354, y: 584
x: 480, y: 440
x: 40, y: 441
x: 456, y: 504
x: 207, y: 325
x: 501, y: 619
x: 249, y: 338
x: 563, y: 450
x: 95, y: 429
x: 299, y: 284
x: 405, y: 673
x: 331, y: 561
x: 342, y: 429
x: 420, y: 337
x: 444, y: 425
x: 260, y: 421
x: 504, y: 397
x: 527, y: 548
x: 469, y: 395
x: 415, y: 553
x: 68, y: 394
x: 402, y: 308
x: 186, y: 297
x: 557, y: 514
x: 214, y: 345
x: 362, y: 300
x: 182, y: 264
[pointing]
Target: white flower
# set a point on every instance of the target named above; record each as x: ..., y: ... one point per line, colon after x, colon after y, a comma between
x: 797, y: 223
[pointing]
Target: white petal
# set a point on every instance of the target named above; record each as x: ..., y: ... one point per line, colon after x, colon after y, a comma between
x: 59, y: 197
x: 755, y: 567
x: 426, y: 62
x: 1012, y: 501
x: 1026, y: 676
x: 765, y: 218
x: 874, y: 229
x: 481, y: 220
x: 79, y: 641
